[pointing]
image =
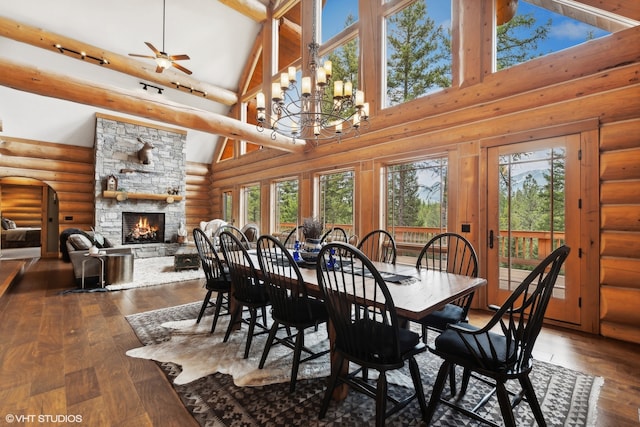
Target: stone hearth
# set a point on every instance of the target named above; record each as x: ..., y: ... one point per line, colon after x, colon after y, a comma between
x: 116, y: 153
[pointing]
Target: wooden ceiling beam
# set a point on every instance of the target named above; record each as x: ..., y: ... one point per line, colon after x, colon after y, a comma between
x: 40, y: 38
x: 600, y: 18
x: 27, y: 79
x: 250, y: 8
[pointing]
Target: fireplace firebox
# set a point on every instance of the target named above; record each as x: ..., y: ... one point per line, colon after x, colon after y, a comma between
x: 142, y: 227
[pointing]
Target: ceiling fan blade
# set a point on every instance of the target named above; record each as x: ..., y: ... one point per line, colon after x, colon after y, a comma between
x: 181, y: 68
x: 142, y: 56
x: 153, y: 48
x: 179, y: 57
x: 159, y: 69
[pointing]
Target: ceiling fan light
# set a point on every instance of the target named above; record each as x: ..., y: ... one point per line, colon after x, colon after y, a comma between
x: 163, y: 62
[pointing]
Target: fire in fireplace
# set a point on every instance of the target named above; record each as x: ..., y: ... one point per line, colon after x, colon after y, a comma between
x: 138, y: 227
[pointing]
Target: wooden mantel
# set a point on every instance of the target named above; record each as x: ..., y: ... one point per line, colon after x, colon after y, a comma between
x: 124, y: 195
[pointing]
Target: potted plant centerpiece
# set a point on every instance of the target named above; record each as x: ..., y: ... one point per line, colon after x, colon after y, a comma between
x: 312, y: 230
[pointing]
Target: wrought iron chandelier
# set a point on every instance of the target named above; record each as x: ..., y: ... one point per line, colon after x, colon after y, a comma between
x: 313, y: 110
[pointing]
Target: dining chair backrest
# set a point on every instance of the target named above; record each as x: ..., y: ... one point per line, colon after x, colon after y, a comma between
x: 209, y: 259
x: 240, y: 236
x: 295, y: 234
x: 251, y: 232
x: 335, y: 234
x: 285, y: 285
x: 359, y: 305
x: 519, y: 319
x: 242, y: 271
x: 449, y: 252
x: 453, y: 253
x: 379, y: 245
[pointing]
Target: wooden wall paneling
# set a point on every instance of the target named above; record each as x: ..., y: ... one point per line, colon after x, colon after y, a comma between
x: 22, y: 204
x: 620, y: 243
x: 620, y: 135
x: 620, y: 164
x: 620, y: 272
x: 619, y: 192
x: 620, y: 230
x: 67, y: 169
x: 198, y: 205
x: 621, y: 217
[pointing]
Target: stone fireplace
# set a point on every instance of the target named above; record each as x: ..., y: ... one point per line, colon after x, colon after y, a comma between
x: 142, y: 228
x: 157, y: 187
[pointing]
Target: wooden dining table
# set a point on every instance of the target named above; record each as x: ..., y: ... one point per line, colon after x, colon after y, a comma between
x: 424, y: 292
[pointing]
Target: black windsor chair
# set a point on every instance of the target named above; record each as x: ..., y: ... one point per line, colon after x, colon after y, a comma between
x: 335, y: 234
x: 291, y: 306
x: 367, y: 330
x: 379, y: 245
x: 505, y: 354
x: 246, y: 288
x: 295, y: 234
x: 216, y: 276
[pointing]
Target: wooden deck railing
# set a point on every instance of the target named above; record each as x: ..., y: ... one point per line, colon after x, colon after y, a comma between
x: 527, y: 248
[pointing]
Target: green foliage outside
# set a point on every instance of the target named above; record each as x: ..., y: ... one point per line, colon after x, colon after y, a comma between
x: 252, y: 204
x: 336, y: 198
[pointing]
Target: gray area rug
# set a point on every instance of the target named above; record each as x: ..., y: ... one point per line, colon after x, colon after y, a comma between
x: 251, y: 397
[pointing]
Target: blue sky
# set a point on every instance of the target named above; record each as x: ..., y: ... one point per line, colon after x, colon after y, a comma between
x: 565, y: 32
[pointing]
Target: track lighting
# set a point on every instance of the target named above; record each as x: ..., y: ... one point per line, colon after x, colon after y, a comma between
x: 81, y: 54
x: 147, y: 85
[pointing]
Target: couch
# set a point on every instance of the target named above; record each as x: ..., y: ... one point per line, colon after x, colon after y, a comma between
x: 77, y: 244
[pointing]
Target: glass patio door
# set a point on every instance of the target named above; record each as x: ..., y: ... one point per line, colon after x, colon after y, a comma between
x: 533, y: 208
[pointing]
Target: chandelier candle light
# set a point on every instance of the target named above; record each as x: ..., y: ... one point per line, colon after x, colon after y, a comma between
x: 311, y: 111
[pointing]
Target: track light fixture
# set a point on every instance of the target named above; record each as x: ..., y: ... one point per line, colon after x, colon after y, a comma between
x: 82, y: 55
x: 147, y: 85
x: 189, y: 89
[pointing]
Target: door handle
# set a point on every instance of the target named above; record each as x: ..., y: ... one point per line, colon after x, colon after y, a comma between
x: 490, y: 239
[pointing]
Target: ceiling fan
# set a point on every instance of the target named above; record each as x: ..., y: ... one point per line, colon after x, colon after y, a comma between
x: 163, y: 60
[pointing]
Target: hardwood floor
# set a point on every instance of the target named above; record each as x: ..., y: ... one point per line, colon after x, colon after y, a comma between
x: 63, y: 355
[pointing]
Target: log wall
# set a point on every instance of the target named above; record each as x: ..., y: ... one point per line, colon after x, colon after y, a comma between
x: 22, y: 204
x: 620, y: 230
x: 69, y: 171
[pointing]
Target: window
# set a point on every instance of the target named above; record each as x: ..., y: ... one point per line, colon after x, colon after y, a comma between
x: 336, y: 200
x: 227, y: 206
x: 332, y: 12
x: 417, y: 200
x: 417, y: 51
x: 535, y: 31
x: 251, y: 204
x: 286, y: 205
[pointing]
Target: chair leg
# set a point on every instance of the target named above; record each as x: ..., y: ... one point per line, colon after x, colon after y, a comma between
x: 381, y: 399
x: 204, y: 305
x: 417, y: 385
x: 268, y: 344
x: 235, y: 317
x: 252, y: 326
x: 219, y: 299
x: 466, y: 375
x: 296, y: 359
x: 505, y: 405
x: 452, y: 379
x: 333, y: 380
x: 438, y: 386
x: 525, y: 382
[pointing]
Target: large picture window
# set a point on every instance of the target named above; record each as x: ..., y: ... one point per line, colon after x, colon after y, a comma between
x: 286, y: 205
x: 336, y: 200
x: 418, y: 51
x: 251, y: 204
x: 417, y: 200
